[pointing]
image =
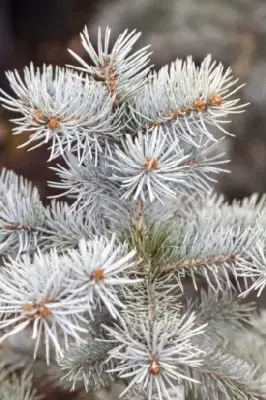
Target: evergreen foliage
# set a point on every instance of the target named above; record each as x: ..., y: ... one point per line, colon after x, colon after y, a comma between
x: 140, y: 277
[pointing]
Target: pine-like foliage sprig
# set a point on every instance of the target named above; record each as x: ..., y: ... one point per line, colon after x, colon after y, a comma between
x: 187, y: 99
x: 155, y: 356
x: 17, y: 385
x: 87, y: 364
x: 21, y: 215
x: 224, y: 376
x: 122, y: 74
x: 62, y: 108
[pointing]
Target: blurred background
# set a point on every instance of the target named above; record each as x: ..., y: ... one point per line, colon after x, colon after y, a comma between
x: 234, y: 31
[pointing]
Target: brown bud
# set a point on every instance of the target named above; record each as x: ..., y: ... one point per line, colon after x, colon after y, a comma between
x: 98, y: 275
x: 151, y: 163
x: 36, y: 309
x: 154, y: 368
x: 200, y: 105
x: 152, y: 124
x: 216, y: 101
x: 44, y: 311
x: 53, y: 123
x: 184, y: 111
x: 174, y: 114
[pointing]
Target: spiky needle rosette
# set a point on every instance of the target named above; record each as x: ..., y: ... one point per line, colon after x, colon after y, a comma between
x: 188, y: 99
x: 100, y: 266
x: 123, y: 74
x: 155, y: 356
x: 35, y: 297
x: 61, y: 108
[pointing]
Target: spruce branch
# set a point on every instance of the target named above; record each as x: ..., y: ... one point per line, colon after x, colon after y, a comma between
x: 155, y: 167
x: 187, y: 99
x: 173, y: 394
x: 21, y: 214
x: 87, y: 184
x: 213, y: 210
x: 64, y: 228
x: 87, y: 364
x: 101, y: 288
x: 155, y: 355
x: 65, y: 109
x: 16, y: 358
x: 99, y: 267
x: 123, y: 74
x: 249, y: 344
x: 148, y: 166
x: 213, y: 253
x: 36, y: 297
x: 154, y: 241
x: 221, y: 311
x: 224, y: 376
x: 254, y: 268
x: 17, y: 385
